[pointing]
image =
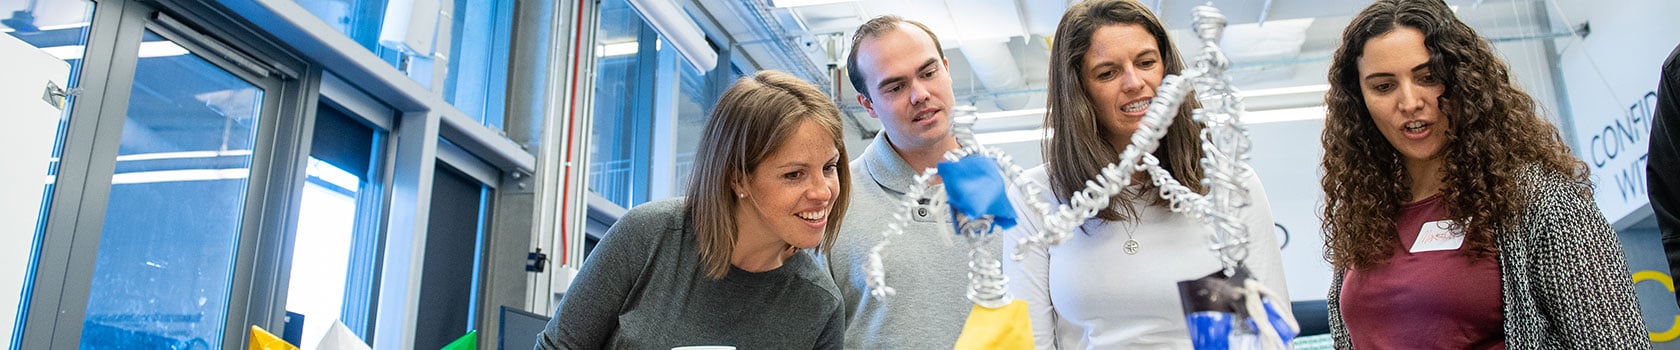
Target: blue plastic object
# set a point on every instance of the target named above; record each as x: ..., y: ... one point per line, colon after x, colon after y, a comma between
x: 1210, y: 330
x: 975, y: 188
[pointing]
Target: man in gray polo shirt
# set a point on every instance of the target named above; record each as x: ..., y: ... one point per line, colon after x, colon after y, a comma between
x: 899, y: 71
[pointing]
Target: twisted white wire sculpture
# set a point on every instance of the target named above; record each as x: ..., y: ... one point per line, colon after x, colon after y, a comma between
x: 1224, y: 141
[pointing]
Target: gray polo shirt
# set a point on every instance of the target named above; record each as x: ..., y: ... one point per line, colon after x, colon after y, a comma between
x: 927, y: 265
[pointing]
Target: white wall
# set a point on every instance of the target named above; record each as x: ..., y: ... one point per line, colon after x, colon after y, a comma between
x: 1611, y: 79
x: 26, y: 144
x: 1286, y: 157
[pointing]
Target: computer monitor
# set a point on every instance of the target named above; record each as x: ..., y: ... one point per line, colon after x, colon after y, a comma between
x: 519, y: 329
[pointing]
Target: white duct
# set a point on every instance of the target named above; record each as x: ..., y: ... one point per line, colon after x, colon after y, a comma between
x: 984, y: 29
x: 410, y: 26
x: 1041, y: 16
x: 671, y: 22
x: 995, y: 67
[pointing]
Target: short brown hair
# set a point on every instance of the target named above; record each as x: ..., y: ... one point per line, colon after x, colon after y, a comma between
x: 753, y: 118
x: 870, y: 29
x: 1077, y: 150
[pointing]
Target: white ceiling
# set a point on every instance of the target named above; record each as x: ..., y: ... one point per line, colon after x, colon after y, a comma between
x: 999, y: 54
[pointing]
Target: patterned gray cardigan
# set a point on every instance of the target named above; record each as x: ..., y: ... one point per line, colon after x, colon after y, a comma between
x: 1566, y: 282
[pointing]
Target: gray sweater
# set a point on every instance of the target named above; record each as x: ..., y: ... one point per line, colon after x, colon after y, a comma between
x: 1565, y: 282
x: 927, y: 265
x: 642, y: 288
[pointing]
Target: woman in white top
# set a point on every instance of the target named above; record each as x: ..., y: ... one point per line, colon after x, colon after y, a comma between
x: 1113, y: 283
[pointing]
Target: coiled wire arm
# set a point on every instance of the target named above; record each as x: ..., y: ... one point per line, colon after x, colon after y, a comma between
x: 1224, y: 140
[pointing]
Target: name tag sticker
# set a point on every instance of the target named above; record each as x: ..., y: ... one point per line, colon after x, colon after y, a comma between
x: 1437, y: 235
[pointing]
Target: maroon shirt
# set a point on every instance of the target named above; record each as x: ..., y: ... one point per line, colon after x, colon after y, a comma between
x: 1440, y: 299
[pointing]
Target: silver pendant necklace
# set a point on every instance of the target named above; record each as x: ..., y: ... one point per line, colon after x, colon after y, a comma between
x: 1131, y: 246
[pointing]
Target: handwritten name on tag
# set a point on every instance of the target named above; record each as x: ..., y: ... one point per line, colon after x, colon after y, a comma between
x: 1437, y: 235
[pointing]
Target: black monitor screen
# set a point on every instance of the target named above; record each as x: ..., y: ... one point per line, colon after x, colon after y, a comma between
x: 519, y: 329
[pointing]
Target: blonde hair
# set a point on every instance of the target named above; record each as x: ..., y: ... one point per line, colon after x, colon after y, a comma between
x: 754, y: 117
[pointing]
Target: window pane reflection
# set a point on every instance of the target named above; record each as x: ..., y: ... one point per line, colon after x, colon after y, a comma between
x: 165, y: 257
x: 321, y: 251
x: 357, y: 19
x: 692, y: 105
x: 610, y: 168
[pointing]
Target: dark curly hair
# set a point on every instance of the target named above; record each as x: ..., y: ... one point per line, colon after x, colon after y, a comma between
x: 1495, y: 132
x: 1077, y: 150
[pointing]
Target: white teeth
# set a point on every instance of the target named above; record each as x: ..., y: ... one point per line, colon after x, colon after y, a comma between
x: 815, y: 215
x: 1415, y: 126
x: 1135, y: 106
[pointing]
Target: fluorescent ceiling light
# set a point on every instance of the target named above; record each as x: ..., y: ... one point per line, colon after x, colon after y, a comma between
x: 1013, y: 113
x: 1012, y: 136
x: 63, y: 26
x: 143, y: 177
x: 71, y: 52
x: 1303, y: 89
x: 799, y: 3
x: 149, y: 49
x: 333, y: 175
x: 183, y: 155
x: 1283, y: 115
x: 161, y: 49
x: 618, y: 49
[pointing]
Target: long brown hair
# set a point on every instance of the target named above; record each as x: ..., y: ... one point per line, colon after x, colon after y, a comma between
x: 1495, y: 132
x: 1077, y: 150
x: 754, y: 117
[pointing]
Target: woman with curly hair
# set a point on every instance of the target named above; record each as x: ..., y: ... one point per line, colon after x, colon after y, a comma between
x: 1455, y: 216
x: 1113, y: 283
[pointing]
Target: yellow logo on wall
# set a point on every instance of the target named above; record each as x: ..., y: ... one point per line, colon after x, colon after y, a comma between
x: 1673, y: 330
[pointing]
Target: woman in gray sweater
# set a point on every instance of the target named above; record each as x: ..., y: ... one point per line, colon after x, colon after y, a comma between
x: 1455, y: 216
x: 722, y: 266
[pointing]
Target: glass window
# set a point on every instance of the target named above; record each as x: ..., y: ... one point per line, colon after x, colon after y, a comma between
x: 162, y: 275
x: 338, y: 227
x: 616, y: 62
x: 358, y: 19
x: 479, y: 46
x: 693, y: 106
x: 478, y: 66
x: 647, y: 98
x: 450, y: 278
x: 321, y: 252
x: 59, y: 28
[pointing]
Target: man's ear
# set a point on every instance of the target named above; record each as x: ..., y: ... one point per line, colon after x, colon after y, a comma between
x: 868, y: 106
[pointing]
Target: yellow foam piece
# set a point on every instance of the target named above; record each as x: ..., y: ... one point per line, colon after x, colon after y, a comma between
x: 263, y: 340
x: 1006, y: 327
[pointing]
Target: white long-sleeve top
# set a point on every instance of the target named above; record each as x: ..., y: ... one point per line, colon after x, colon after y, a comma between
x: 1087, y: 293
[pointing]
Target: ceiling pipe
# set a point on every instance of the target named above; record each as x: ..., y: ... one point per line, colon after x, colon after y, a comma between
x: 996, y: 69
x: 1042, y: 16
x: 984, y: 29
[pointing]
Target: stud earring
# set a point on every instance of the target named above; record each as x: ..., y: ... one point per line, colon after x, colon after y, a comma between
x: 740, y: 195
